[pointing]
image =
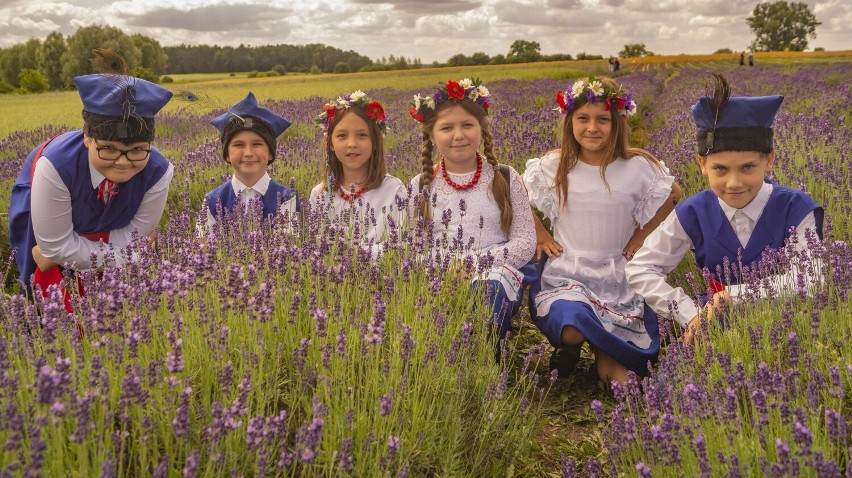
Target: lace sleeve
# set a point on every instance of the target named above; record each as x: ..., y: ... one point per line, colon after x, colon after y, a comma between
x: 658, y: 189
x: 540, y: 188
x: 520, y: 248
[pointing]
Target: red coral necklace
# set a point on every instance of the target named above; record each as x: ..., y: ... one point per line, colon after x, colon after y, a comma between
x: 471, y: 183
x: 346, y: 196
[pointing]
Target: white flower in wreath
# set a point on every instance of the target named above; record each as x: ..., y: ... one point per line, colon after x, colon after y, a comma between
x: 342, y: 103
x: 429, y: 101
x: 483, y: 91
x: 577, y: 88
x: 466, y: 83
x: 597, y: 88
x: 357, y: 95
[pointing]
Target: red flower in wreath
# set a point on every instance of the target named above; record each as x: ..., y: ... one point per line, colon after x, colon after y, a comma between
x: 455, y: 90
x: 375, y: 111
x: 330, y: 111
x: 415, y: 115
x: 560, y: 100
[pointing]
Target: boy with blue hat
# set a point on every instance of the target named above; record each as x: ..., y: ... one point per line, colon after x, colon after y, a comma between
x: 104, y: 183
x: 248, y: 134
x: 740, y: 216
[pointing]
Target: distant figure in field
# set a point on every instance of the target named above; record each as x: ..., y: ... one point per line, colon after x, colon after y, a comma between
x: 616, y: 65
x: 611, y: 62
x: 742, y: 58
x: 750, y: 58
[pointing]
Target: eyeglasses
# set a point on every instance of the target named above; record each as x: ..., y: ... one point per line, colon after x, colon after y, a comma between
x: 111, y: 153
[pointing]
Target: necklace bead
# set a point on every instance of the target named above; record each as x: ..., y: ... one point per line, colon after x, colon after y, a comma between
x: 471, y: 183
x: 346, y: 196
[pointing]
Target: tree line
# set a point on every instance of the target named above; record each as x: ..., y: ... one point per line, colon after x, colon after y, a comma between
x: 50, y: 64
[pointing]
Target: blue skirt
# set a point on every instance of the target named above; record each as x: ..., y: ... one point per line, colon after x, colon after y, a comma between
x: 581, y: 316
x: 502, y: 306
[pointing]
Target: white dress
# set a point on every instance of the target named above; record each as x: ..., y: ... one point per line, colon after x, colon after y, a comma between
x: 372, y: 208
x: 593, y: 227
x: 475, y: 212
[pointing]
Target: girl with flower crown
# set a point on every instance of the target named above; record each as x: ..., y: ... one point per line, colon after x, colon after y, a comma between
x: 483, y: 208
x: 602, y: 198
x: 356, y: 188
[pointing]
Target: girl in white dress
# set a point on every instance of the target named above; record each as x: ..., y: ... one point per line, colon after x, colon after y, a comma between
x: 356, y: 189
x: 481, y: 209
x: 603, y: 198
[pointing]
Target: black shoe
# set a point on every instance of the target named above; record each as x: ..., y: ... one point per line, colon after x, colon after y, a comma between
x: 565, y: 359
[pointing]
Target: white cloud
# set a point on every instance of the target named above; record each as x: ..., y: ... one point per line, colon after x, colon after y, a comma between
x: 434, y: 30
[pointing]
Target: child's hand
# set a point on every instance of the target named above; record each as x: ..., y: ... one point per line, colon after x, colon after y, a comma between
x: 717, y: 305
x: 547, y: 245
x: 632, y: 247
x: 43, y: 263
x: 544, y: 242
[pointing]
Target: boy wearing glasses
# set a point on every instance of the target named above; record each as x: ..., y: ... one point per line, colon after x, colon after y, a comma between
x: 103, y: 183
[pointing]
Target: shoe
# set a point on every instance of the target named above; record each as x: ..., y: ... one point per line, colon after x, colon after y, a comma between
x: 565, y: 359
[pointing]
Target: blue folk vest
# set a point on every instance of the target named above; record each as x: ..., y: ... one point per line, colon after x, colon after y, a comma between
x: 714, y: 238
x: 225, y: 195
x: 70, y: 158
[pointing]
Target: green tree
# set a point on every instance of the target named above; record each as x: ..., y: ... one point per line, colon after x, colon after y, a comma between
x: 145, y: 73
x: 632, y: 50
x: 782, y: 26
x: 480, y: 58
x: 342, y: 67
x: 524, y: 51
x: 76, y: 59
x: 17, y: 58
x: 32, y: 81
x: 459, y: 59
x: 152, y: 55
x: 50, y: 59
x: 722, y: 50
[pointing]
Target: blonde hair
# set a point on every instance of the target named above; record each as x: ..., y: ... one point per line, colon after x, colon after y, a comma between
x: 499, y: 185
x: 617, y: 146
x: 376, y: 169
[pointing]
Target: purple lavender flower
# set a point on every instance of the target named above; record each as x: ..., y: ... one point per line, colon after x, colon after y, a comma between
x: 569, y: 468
x: 597, y: 408
x: 644, y: 471
x: 190, y: 468
x: 386, y: 403
x: 181, y: 420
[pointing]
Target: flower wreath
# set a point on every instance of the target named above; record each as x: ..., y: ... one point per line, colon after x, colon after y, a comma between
x: 358, y: 99
x: 595, y: 92
x: 472, y: 90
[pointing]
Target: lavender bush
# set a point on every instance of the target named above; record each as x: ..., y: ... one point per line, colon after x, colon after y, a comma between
x: 282, y: 349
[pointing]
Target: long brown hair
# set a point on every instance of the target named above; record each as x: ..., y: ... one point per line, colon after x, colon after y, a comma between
x: 376, y: 169
x: 618, y: 144
x: 499, y: 186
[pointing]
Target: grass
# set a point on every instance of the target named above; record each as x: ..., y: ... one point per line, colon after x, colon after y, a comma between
x: 568, y: 428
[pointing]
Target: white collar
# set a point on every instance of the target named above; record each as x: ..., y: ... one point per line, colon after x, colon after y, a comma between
x: 97, y: 177
x: 754, y: 209
x: 260, y: 186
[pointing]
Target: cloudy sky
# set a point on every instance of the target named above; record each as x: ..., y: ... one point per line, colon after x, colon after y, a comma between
x: 432, y: 30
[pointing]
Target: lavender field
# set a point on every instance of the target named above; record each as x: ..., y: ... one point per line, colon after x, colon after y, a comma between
x: 281, y: 349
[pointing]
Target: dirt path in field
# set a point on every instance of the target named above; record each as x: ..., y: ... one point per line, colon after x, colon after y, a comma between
x: 568, y: 427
